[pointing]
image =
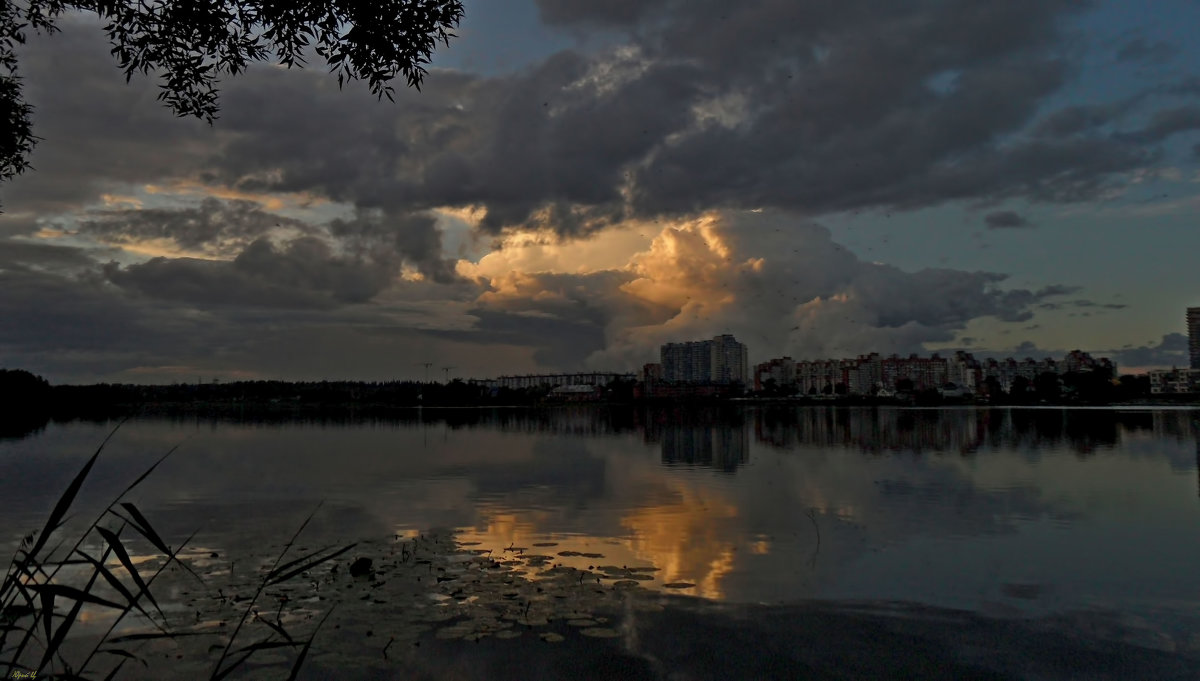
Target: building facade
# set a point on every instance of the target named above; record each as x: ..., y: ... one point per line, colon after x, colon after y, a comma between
x: 1193, y: 327
x: 722, y: 360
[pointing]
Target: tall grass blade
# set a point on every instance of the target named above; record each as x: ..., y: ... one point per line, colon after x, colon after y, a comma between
x: 118, y: 548
x: 68, y: 497
x: 261, y: 586
x: 74, y: 594
x: 266, y: 645
x: 308, y: 644
x: 150, y: 470
x: 276, y: 627
x: 125, y: 654
x: 144, y: 528
x: 308, y: 566
x: 113, y: 674
x: 117, y: 585
x: 55, y: 644
x: 47, y: 615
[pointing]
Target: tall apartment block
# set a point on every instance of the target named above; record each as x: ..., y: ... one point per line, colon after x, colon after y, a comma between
x: 720, y: 360
x: 1193, y: 327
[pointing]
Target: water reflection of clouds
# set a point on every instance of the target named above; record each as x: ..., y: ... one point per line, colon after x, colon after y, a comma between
x: 720, y: 499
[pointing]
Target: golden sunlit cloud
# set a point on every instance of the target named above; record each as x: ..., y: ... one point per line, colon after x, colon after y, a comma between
x: 47, y: 233
x: 269, y: 201
x: 543, y: 251
x: 159, y: 248
x: 117, y: 201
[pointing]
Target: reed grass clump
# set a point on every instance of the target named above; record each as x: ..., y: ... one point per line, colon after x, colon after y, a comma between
x: 51, y: 580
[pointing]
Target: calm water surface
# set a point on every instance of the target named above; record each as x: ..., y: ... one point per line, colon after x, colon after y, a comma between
x: 1006, y: 513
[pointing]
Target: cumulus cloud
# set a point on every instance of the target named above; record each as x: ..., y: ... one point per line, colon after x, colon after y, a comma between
x: 778, y: 282
x: 1171, y: 351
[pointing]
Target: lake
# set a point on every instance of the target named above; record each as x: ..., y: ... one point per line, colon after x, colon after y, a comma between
x: 762, y: 540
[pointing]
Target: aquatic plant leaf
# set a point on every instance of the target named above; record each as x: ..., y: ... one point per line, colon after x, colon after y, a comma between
x: 600, y: 632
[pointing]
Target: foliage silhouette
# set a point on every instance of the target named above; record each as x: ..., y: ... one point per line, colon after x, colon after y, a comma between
x: 190, y: 45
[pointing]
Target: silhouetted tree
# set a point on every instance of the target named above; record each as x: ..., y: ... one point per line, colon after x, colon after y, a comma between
x: 994, y: 390
x: 1133, y: 386
x: 192, y: 44
x: 24, y: 402
x: 1047, y: 386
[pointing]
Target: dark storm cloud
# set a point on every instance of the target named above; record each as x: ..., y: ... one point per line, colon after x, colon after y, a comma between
x: 1074, y: 119
x: 215, y: 226
x: 303, y: 273
x: 1172, y: 350
x: 842, y: 105
x: 26, y: 253
x: 941, y: 298
x: 559, y: 343
x: 1143, y: 50
x: 1166, y: 122
x: 621, y: 13
x: 382, y: 237
x: 70, y: 327
x: 97, y: 130
x: 1005, y: 218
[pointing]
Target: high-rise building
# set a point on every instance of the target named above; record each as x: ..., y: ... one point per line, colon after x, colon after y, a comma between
x: 720, y: 360
x: 1193, y: 326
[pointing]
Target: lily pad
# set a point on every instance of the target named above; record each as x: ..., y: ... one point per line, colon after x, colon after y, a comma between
x: 678, y: 585
x: 551, y: 637
x: 600, y: 632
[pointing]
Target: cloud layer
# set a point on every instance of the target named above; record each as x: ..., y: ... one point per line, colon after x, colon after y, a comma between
x: 577, y: 212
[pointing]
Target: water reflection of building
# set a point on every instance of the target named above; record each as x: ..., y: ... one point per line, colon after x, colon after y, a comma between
x: 723, y: 446
x: 961, y: 430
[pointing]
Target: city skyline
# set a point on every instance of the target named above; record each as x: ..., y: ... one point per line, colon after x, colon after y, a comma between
x: 577, y: 184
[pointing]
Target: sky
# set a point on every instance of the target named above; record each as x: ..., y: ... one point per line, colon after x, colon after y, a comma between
x: 577, y: 183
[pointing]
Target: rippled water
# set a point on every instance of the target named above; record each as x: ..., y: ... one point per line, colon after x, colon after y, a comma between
x: 1028, y: 513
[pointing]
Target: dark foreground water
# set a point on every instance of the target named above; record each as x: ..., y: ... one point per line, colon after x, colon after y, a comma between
x: 743, y: 543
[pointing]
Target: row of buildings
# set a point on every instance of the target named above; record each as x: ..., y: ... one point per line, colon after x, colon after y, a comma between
x: 718, y: 365
x: 958, y: 374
